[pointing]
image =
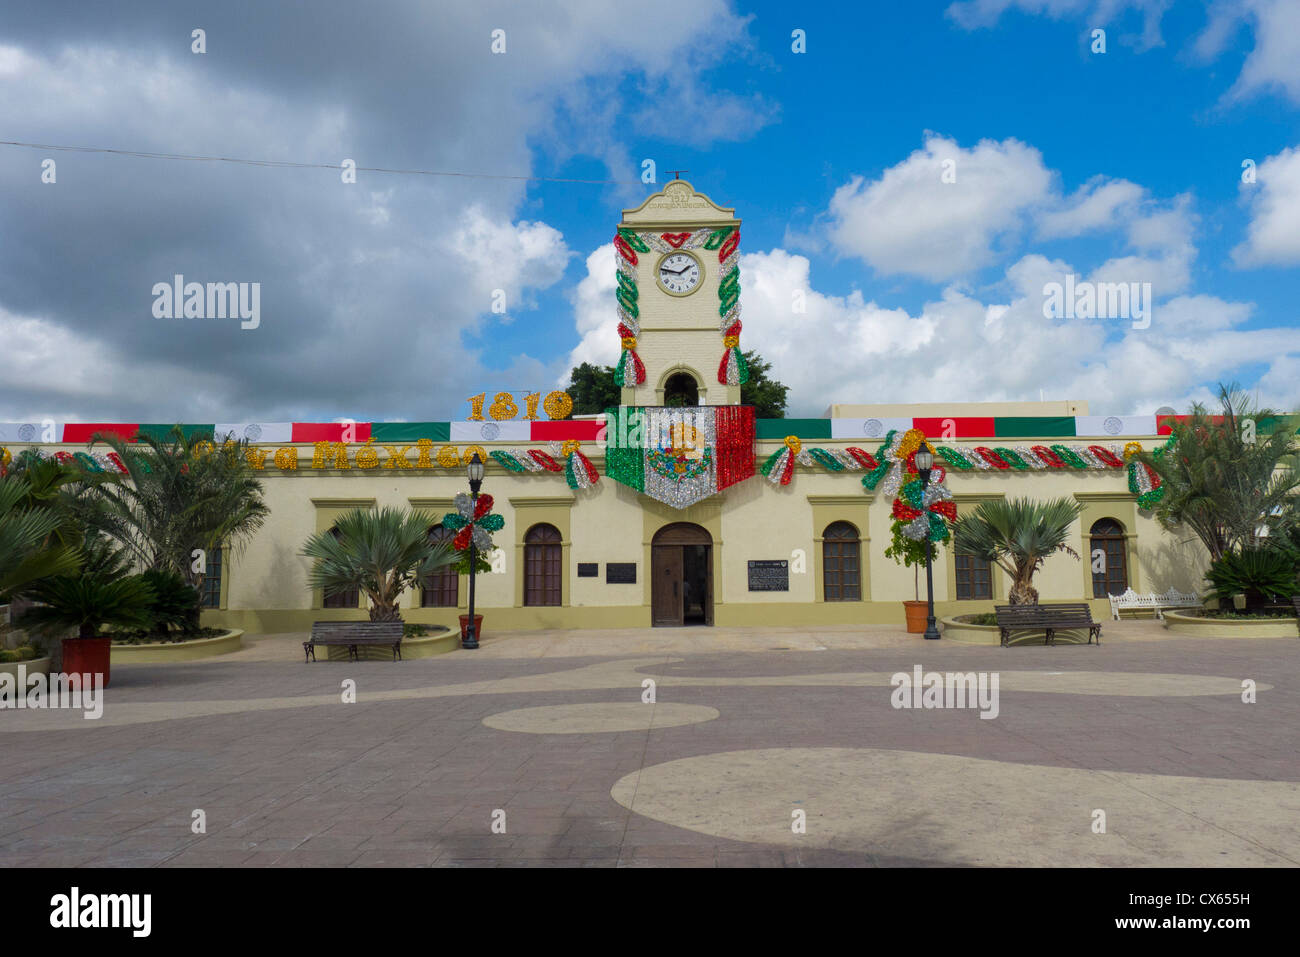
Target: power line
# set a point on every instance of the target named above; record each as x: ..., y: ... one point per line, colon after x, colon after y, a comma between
x: 142, y: 154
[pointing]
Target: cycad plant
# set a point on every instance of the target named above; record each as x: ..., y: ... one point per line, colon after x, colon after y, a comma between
x: 1263, y: 575
x: 28, y: 551
x: 1018, y: 536
x: 87, y: 603
x: 381, y: 553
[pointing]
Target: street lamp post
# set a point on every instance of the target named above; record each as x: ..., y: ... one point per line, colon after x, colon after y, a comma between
x: 924, y: 462
x: 475, y: 473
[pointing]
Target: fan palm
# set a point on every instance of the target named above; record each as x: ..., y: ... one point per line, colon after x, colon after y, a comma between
x: 1018, y: 536
x: 381, y: 553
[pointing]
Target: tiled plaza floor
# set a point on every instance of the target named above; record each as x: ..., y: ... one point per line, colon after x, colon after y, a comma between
x: 749, y: 727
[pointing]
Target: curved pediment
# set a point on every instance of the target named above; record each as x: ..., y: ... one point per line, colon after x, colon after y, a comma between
x: 679, y: 202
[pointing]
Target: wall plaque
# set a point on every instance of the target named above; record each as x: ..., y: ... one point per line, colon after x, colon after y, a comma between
x: 620, y: 573
x: 769, y: 575
x: 588, y: 569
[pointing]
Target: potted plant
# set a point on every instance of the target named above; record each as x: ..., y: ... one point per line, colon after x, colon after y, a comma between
x: 910, y: 553
x: 462, y: 568
x: 87, y: 603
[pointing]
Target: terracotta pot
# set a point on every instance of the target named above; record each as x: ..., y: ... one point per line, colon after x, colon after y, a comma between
x: 478, y: 627
x: 917, y: 612
x: 87, y: 656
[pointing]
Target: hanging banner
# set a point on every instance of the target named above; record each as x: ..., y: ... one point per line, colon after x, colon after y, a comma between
x: 679, y: 455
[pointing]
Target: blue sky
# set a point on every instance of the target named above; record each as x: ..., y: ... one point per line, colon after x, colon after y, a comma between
x: 1117, y: 166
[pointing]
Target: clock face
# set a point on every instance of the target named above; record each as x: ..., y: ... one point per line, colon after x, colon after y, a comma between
x: 679, y: 274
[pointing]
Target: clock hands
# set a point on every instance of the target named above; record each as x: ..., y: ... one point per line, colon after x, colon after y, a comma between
x: 676, y: 272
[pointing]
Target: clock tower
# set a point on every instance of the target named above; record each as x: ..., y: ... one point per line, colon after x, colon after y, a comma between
x: 678, y: 297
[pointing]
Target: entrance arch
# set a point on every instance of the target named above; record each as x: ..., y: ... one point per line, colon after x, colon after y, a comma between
x: 681, y: 576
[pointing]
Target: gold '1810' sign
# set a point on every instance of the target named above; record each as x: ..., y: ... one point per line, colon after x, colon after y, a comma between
x: 557, y: 405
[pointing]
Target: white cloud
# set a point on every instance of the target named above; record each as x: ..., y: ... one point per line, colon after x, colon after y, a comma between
x: 511, y: 257
x: 909, y: 221
x: 1273, y: 236
x: 1092, y: 207
x: 972, y: 14
x: 594, y: 314
x: 1274, y: 64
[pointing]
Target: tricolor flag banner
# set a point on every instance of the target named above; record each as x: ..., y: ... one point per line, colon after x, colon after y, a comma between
x: 278, y: 432
x: 679, y: 456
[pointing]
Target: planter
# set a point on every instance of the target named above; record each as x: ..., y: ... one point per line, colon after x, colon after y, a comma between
x: 87, y: 656
x: 916, y: 613
x: 1197, y: 626
x: 967, y: 633
x: 164, y: 651
x: 478, y: 627
x: 33, y: 666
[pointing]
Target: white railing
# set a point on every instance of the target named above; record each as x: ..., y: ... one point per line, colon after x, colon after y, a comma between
x: 1170, y: 599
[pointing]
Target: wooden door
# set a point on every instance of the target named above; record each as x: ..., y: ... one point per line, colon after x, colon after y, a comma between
x: 666, y: 603
x: 708, y: 593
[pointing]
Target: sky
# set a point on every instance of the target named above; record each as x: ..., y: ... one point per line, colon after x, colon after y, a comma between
x: 912, y: 179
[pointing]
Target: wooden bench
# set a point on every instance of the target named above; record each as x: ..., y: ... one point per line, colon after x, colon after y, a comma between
x: 353, y: 634
x: 1170, y: 599
x: 1050, y: 618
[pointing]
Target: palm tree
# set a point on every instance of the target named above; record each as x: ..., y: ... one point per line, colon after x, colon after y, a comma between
x: 1018, y: 536
x: 381, y: 553
x: 177, y: 496
x: 1225, y: 480
x: 27, y: 553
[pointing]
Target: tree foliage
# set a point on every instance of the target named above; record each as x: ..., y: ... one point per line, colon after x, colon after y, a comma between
x: 1018, y: 536
x: 1229, y: 483
x: 178, y: 495
x: 381, y: 553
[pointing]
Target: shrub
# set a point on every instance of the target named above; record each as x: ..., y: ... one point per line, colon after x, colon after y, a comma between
x: 1264, y: 575
x: 175, y: 603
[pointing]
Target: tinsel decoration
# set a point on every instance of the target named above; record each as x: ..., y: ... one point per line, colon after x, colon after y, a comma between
x: 630, y: 370
x: 545, y: 461
x: 732, y: 370
x: 897, y: 456
x: 5, y: 458
x: 779, y: 467
x: 472, y: 522
x: 1106, y: 456
x: 925, y: 512
x: 578, y: 470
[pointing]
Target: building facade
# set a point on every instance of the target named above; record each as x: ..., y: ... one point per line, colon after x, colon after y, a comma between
x: 680, y: 508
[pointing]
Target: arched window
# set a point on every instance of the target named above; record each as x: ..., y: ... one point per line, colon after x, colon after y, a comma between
x: 1106, y: 555
x: 681, y: 389
x: 542, y: 569
x: 442, y: 588
x: 841, y: 562
x: 342, y: 599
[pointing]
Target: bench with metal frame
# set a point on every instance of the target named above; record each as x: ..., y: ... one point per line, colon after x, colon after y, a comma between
x: 353, y: 634
x: 1049, y: 618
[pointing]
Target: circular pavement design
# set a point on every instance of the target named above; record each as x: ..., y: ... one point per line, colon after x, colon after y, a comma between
x: 602, y: 717
x: 959, y: 810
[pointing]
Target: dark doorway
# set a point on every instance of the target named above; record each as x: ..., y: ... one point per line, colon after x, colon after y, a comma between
x: 681, y: 576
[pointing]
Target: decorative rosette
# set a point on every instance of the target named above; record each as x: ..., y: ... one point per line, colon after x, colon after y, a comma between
x: 926, y: 513
x: 578, y: 470
x: 472, y: 521
x: 897, y: 457
x: 779, y: 467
